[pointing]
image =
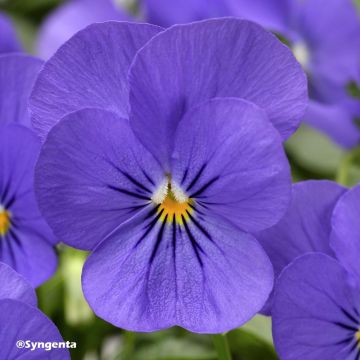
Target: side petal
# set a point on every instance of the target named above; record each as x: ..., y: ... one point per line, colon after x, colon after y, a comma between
x: 305, y: 227
x: 188, y: 64
x: 14, y: 286
x: 8, y: 40
x: 20, y: 321
x: 71, y: 17
x: 346, y: 231
x: 315, y: 305
x: 17, y: 76
x: 203, y: 275
x: 92, y: 175
x: 229, y: 159
x: 89, y: 70
x: 27, y: 246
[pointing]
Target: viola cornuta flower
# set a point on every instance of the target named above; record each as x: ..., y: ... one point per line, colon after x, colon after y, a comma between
x: 8, y: 40
x: 20, y: 320
x: 305, y: 227
x: 164, y: 185
x: 317, y: 297
x: 26, y: 240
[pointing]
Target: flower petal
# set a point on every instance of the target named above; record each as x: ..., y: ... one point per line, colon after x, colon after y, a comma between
x: 93, y: 174
x: 28, y: 244
x: 274, y: 15
x: 8, y: 40
x: 305, y: 227
x: 69, y: 18
x: 20, y: 321
x: 332, y: 31
x: 203, y: 275
x: 188, y: 64
x: 17, y: 76
x: 170, y: 12
x: 315, y: 305
x: 230, y: 159
x: 335, y: 121
x: 346, y: 231
x: 89, y: 70
x: 14, y: 286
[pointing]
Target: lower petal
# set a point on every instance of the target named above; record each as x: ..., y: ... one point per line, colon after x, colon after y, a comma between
x: 203, y: 275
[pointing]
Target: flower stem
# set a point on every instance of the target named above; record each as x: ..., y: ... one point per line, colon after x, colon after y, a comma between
x: 221, y: 346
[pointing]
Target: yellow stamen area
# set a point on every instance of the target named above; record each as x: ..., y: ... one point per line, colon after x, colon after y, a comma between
x: 171, y: 208
x: 4, y: 222
x: 357, y: 337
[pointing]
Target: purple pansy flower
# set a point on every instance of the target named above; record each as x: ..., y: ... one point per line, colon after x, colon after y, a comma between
x: 26, y: 240
x: 166, y: 178
x: 317, y: 297
x: 72, y: 16
x: 325, y: 37
x: 8, y: 39
x: 306, y: 226
x: 20, y: 320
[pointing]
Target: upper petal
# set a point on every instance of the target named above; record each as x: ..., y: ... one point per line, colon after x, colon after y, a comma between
x: 89, y: 70
x: 93, y: 174
x: 346, y: 231
x: 315, y: 313
x: 17, y: 76
x: 203, y: 275
x: 20, y: 321
x: 187, y: 64
x: 230, y: 159
x: 14, y: 286
x: 69, y: 18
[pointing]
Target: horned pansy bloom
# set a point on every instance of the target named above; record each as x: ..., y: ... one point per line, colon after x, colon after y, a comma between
x: 316, y: 296
x: 26, y: 240
x: 160, y: 158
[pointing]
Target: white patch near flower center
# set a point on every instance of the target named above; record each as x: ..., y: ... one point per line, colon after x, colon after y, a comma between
x: 167, y: 187
x: 302, y: 54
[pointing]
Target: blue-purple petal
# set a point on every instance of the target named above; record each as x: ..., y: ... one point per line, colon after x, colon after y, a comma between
x: 92, y: 175
x: 230, y: 160
x: 188, y: 64
x: 203, y: 275
x: 315, y: 312
x: 89, y: 70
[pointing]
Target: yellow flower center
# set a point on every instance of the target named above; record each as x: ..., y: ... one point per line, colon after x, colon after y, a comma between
x: 4, y: 221
x: 173, y: 203
x: 357, y: 337
x: 171, y: 208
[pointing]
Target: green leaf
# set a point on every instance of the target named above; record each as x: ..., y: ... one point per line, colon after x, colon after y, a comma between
x: 315, y: 153
x: 245, y: 345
